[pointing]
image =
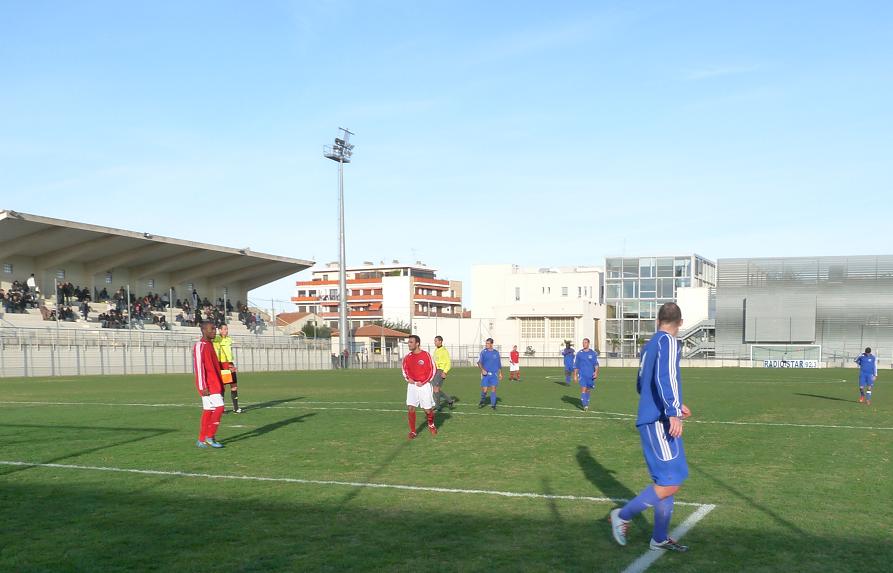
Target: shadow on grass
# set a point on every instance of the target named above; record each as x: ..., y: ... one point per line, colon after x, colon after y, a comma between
x: 262, y: 430
x: 147, y: 433
x: 825, y: 397
x: 270, y: 403
x: 117, y: 527
x: 752, y: 503
x: 561, y: 383
x: 575, y: 402
x: 603, y: 479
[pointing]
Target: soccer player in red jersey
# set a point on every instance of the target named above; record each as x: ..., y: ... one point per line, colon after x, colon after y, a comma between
x: 418, y: 369
x: 515, y: 364
x: 209, y: 385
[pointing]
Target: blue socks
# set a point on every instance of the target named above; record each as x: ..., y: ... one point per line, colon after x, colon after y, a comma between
x: 493, y: 398
x: 646, y: 498
x: 663, y: 511
x: 584, y: 398
x: 567, y: 378
x: 483, y: 395
x: 868, y: 395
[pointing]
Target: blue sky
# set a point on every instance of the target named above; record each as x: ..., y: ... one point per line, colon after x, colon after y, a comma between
x: 534, y: 133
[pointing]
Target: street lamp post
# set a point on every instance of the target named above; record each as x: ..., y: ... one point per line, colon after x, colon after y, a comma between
x: 341, y: 152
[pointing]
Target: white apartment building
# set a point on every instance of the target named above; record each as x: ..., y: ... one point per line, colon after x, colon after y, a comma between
x: 538, y: 308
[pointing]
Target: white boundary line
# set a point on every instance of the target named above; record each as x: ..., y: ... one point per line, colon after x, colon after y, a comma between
x: 370, y: 485
x: 580, y: 416
x: 649, y: 557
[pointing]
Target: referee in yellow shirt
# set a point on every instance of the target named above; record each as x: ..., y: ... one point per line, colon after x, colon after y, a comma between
x: 442, y: 366
x: 223, y: 346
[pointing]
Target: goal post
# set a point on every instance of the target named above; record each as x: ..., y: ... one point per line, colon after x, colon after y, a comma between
x: 786, y: 355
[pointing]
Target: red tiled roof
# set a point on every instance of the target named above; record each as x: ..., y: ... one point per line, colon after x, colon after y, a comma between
x: 372, y: 331
x: 285, y: 318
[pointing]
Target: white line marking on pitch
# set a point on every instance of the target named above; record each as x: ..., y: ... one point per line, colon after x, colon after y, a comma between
x: 649, y: 557
x: 580, y: 416
x: 370, y: 485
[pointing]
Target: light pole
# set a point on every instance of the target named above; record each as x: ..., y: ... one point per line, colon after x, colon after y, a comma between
x: 341, y: 152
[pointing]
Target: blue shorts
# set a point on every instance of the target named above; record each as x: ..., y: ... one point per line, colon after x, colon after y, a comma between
x: 664, y: 455
x: 489, y: 380
x: 866, y: 380
x: 586, y: 381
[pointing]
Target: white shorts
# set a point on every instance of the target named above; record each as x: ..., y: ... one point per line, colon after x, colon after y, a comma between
x: 514, y: 367
x: 420, y: 396
x: 212, y: 401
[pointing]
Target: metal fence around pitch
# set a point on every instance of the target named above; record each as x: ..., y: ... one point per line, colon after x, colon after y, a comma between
x: 68, y: 352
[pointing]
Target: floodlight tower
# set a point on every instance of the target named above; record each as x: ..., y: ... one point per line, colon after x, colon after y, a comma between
x: 341, y: 152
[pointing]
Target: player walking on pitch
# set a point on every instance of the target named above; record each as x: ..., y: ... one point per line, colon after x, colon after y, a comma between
x: 867, y: 375
x: 568, y: 354
x: 209, y: 385
x: 515, y: 364
x: 491, y: 373
x: 586, y: 372
x: 223, y: 346
x: 418, y: 370
x: 442, y: 365
x: 659, y: 422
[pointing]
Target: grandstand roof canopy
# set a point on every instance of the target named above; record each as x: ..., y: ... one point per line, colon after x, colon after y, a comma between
x: 56, y: 241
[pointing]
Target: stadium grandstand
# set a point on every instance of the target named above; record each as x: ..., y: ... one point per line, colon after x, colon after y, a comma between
x: 65, y: 284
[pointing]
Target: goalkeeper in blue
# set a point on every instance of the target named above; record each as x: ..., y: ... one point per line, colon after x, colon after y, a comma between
x: 659, y: 422
x: 867, y: 375
x: 586, y: 372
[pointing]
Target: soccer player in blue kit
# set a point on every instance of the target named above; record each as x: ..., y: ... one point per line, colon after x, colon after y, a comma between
x: 867, y: 375
x: 491, y: 373
x: 568, y: 354
x: 586, y: 372
x: 659, y: 422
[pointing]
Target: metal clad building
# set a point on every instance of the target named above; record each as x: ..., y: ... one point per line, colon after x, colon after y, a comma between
x: 842, y: 303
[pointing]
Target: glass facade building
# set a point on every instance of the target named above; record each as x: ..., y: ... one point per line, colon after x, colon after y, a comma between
x: 841, y: 303
x: 635, y: 287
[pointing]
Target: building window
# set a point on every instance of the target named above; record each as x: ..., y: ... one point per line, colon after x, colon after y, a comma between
x: 561, y: 328
x: 533, y: 328
x: 7, y: 268
x: 108, y: 278
x: 579, y: 292
x: 60, y: 274
x: 150, y: 283
x: 563, y: 291
x: 190, y: 287
x: 517, y: 293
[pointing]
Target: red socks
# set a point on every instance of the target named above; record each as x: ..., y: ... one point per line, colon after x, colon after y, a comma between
x: 203, y: 429
x: 412, y: 420
x: 216, y: 414
x: 430, y: 415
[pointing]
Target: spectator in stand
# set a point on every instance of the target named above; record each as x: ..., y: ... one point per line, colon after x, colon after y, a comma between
x: 32, y: 284
x: 194, y: 298
x: 85, y: 309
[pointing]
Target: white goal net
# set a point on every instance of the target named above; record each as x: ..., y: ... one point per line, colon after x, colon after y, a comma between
x: 786, y: 355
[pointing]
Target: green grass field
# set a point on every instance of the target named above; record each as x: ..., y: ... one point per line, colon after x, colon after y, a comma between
x: 802, y: 484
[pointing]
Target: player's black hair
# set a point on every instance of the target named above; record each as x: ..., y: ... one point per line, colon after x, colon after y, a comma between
x: 438, y: 337
x: 669, y: 313
x: 416, y: 338
x: 490, y: 340
x: 868, y: 350
x: 204, y: 322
